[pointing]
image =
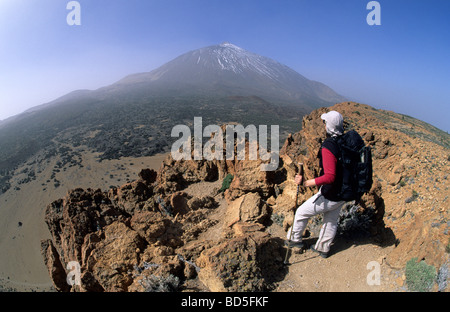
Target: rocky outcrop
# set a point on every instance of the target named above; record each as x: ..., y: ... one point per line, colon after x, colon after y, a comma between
x: 250, y: 262
x: 177, y: 175
x: 107, y: 232
x: 153, y: 234
x: 247, y: 208
x: 139, y: 237
x: 411, y: 168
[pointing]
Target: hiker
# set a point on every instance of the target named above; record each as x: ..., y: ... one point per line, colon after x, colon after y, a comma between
x: 326, y: 201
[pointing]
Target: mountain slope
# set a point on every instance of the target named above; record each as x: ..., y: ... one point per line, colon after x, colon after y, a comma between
x: 229, y: 70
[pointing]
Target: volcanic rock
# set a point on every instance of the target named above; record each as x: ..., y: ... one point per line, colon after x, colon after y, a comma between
x: 247, y: 208
x: 154, y: 234
x: 244, y: 263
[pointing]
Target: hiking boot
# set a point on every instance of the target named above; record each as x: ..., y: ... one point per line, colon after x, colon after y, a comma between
x: 289, y: 243
x: 321, y: 253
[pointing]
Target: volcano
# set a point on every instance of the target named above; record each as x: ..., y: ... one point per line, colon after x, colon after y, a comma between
x: 227, y: 69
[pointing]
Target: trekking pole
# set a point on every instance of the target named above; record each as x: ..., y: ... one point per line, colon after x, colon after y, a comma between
x: 300, y: 172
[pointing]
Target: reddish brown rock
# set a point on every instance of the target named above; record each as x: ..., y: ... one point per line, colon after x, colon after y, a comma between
x: 115, y: 256
x: 57, y: 271
x: 147, y: 234
x: 247, y: 208
x: 244, y: 263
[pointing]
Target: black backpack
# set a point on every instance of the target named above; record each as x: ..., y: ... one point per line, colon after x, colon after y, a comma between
x: 356, y: 160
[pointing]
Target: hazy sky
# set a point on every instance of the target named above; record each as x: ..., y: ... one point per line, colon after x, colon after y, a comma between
x: 401, y: 65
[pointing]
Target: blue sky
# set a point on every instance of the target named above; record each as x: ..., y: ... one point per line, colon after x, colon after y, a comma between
x: 401, y: 65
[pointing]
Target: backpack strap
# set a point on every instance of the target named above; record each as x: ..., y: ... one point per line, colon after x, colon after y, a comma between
x: 331, y: 191
x: 332, y: 144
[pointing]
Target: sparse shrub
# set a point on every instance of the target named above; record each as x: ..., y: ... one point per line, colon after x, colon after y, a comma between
x: 155, y: 283
x: 413, y: 197
x: 442, y: 277
x: 277, y: 219
x: 355, y: 222
x: 419, y: 275
x: 226, y: 183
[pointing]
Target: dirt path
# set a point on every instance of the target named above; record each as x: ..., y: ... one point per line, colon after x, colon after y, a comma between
x: 353, y: 265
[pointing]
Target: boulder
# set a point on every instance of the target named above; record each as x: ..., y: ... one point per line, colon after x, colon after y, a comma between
x: 423, y: 240
x: 131, y: 196
x: 179, y: 203
x: 55, y: 268
x: 115, y: 256
x: 202, y: 202
x: 177, y: 175
x: 246, y: 228
x: 148, y: 176
x: 244, y: 263
x: 155, y: 227
x: 247, y: 208
x: 79, y: 213
x: 249, y: 177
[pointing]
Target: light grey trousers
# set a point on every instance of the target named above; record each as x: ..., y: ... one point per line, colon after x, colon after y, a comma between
x: 315, y: 205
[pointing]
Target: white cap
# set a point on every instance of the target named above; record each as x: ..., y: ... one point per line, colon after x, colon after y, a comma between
x: 334, y: 122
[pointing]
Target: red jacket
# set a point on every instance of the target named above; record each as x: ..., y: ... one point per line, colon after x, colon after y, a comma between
x: 329, y: 162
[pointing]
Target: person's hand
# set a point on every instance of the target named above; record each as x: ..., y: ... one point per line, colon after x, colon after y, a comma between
x: 298, y: 179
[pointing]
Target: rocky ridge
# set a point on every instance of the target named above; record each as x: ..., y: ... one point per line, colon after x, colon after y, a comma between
x: 177, y: 230
x: 411, y: 169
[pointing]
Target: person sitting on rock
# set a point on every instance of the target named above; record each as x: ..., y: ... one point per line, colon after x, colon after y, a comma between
x: 326, y: 200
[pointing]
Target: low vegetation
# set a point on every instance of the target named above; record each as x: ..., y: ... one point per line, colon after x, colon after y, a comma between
x: 419, y: 275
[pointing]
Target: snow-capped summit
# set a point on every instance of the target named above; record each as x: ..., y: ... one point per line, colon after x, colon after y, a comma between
x: 227, y: 44
x: 229, y: 70
x: 233, y: 58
